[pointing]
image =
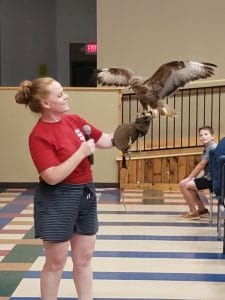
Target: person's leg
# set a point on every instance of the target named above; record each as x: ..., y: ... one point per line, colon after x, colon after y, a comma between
x: 201, y: 200
x: 201, y: 184
x: 190, y: 194
x: 56, y: 256
x: 82, y: 248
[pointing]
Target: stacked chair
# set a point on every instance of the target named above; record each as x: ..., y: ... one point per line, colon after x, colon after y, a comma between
x: 217, y: 169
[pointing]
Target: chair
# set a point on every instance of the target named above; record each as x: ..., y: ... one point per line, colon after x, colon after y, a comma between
x: 219, y: 189
x: 217, y: 169
x: 211, y: 195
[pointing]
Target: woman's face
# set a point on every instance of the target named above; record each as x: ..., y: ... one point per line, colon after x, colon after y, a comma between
x: 56, y: 101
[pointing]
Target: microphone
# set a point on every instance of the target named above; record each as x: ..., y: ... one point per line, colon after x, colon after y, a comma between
x: 87, y: 134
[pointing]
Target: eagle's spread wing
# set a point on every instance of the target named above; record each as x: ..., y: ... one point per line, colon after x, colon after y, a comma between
x: 173, y: 75
x: 114, y: 76
x: 163, y: 83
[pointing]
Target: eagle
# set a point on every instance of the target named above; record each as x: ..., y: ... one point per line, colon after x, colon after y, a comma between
x: 152, y: 91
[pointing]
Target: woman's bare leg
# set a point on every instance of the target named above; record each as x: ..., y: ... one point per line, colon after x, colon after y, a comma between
x: 82, y: 248
x: 56, y: 256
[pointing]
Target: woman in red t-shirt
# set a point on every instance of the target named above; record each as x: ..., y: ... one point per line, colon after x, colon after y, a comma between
x: 65, y: 207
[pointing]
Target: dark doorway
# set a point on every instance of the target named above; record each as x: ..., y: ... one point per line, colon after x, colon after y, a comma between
x: 82, y: 66
x: 81, y: 73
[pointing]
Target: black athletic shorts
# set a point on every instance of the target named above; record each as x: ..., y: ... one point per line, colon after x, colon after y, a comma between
x: 203, y: 183
x: 64, y: 209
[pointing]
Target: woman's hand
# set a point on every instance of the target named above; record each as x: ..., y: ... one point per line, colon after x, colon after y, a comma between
x: 87, y: 148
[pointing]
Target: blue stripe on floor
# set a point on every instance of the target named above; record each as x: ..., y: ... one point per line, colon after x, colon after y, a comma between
x: 157, y: 237
x: 25, y: 196
x: 13, y: 208
x: 177, y: 224
x: 111, y: 195
x: 142, y: 276
x: 4, y: 221
x: 143, y: 254
x: 119, y: 212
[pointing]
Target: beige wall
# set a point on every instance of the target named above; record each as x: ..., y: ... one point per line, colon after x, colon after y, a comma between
x: 143, y: 34
x: 99, y: 106
x: 139, y: 34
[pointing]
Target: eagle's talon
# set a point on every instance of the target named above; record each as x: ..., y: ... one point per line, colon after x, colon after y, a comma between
x: 146, y: 114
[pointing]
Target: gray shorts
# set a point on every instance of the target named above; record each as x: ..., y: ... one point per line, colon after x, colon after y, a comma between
x: 64, y: 209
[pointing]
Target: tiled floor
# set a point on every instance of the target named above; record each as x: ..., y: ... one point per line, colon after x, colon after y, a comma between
x: 143, y: 250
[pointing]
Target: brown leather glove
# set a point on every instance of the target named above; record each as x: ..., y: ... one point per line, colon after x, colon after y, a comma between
x: 126, y: 134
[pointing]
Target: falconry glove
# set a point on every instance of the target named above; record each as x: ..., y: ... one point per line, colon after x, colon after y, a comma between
x: 126, y: 134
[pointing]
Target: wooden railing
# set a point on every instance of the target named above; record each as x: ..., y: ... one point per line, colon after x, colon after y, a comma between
x: 195, y: 106
x: 171, y: 148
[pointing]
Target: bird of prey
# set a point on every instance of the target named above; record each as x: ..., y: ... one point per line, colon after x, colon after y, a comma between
x: 163, y: 83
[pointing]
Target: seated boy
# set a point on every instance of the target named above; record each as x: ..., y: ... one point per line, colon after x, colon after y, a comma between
x: 190, y: 185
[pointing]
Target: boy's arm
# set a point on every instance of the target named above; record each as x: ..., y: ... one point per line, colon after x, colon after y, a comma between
x: 198, y: 168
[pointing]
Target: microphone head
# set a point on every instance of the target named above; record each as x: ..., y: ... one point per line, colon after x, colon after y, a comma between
x: 87, y: 129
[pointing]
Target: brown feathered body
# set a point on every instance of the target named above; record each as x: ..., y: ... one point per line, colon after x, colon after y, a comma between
x: 163, y: 83
x: 145, y: 94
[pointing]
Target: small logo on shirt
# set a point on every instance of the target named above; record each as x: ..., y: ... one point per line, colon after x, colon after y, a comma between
x: 79, y: 134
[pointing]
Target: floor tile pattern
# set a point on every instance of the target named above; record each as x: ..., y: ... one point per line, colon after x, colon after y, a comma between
x: 143, y: 250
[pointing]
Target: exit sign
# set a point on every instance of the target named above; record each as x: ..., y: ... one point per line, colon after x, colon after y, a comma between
x: 91, y: 48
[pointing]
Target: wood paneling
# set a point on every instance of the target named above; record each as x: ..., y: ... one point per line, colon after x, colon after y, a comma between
x: 181, y: 167
x: 173, y: 169
x: 164, y: 170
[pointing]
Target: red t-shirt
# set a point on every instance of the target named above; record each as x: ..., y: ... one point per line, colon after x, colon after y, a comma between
x: 52, y: 143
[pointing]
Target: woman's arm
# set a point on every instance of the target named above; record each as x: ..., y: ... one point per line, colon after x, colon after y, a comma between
x: 56, y: 174
x: 105, y: 141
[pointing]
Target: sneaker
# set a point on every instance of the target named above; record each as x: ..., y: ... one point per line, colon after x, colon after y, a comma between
x: 190, y: 216
x: 203, y: 212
